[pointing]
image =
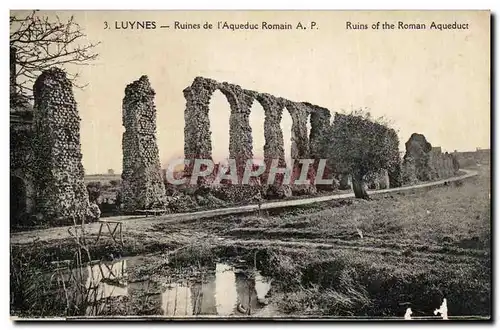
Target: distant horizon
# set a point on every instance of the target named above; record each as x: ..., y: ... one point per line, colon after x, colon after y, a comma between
x: 164, y: 166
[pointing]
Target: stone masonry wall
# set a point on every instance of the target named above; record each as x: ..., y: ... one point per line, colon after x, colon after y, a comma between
x: 417, y: 159
x: 197, y: 125
x: 60, y: 188
x: 424, y: 163
x: 142, y: 184
x: 443, y: 165
x: 197, y: 134
x: 320, y: 122
x: 300, y: 113
x: 240, y: 132
x: 273, y: 147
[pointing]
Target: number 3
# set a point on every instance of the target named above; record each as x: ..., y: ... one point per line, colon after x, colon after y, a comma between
x: 105, y: 25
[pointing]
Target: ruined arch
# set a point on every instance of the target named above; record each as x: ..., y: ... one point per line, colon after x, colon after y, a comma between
x: 197, y: 132
x: 293, y: 126
x: 240, y: 132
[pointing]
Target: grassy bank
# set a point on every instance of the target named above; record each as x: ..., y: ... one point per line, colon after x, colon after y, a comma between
x: 344, y: 257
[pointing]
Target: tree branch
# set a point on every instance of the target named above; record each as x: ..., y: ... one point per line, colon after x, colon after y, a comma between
x: 42, y: 43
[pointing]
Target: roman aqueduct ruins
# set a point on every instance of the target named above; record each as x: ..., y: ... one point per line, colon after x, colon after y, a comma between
x: 46, y: 159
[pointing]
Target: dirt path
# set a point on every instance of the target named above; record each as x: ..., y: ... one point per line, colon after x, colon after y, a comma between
x: 141, y: 223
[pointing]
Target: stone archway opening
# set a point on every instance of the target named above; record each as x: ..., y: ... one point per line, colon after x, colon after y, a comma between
x: 219, y: 117
x: 18, y: 200
x: 256, y: 120
x: 286, y: 127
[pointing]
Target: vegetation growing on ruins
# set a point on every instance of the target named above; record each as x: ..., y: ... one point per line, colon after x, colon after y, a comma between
x: 358, y: 145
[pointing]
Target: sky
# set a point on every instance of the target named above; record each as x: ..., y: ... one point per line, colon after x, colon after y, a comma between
x: 424, y: 81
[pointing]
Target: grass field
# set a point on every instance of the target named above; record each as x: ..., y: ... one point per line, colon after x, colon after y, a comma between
x: 375, y: 257
x: 347, y: 257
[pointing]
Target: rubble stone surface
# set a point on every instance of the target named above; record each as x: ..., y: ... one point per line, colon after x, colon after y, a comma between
x: 61, y: 195
x: 417, y: 158
x: 197, y: 133
x: 142, y: 183
x: 422, y: 162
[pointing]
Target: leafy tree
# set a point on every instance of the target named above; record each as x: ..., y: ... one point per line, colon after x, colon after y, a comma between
x: 38, y: 43
x: 357, y: 144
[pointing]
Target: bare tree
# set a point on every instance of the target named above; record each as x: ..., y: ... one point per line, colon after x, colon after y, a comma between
x: 38, y: 43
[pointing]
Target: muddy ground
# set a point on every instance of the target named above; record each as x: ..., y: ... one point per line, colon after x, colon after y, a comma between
x: 345, y: 257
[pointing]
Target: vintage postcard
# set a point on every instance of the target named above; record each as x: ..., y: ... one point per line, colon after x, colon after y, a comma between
x: 230, y: 165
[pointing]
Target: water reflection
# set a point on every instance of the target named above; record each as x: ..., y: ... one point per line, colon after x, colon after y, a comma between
x: 176, y: 300
x: 225, y: 289
x: 107, y: 280
x: 225, y: 293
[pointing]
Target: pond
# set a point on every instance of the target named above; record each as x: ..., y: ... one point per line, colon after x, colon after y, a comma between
x: 221, y: 289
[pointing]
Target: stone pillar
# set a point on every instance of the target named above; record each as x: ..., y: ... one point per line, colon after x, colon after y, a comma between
x: 197, y: 134
x: 320, y: 123
x: 240, y: 132
x: 273, y: 148
x: 13, y: 52
x: 142, y: 184
x: 418, y: 150
x: 300, y: 144
x: 59, y: 176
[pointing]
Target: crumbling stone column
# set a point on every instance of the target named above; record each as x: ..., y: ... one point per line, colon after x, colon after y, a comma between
x: 197, y: 134
x: 417, y: 158
x: 320, y: 123
x: 273, y: 148
x: 240, y: 132
x: 300, y: 145
x: 59, y: 176
x: 142, y: 184
x: 300, y: 140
